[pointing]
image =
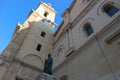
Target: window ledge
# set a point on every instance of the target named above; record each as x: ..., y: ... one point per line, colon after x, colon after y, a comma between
x: 112, y: 37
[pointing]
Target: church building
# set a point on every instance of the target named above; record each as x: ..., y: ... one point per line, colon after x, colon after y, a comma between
x: 86, y: 45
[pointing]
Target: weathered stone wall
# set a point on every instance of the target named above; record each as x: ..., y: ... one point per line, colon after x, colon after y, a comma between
x: 94, y: 57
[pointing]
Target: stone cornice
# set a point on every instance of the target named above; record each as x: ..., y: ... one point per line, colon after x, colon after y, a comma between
x: 66, y: 11
x: 113, y: 37
x: 108, y: 27
x: 46, y: 5
x: 71, y: 6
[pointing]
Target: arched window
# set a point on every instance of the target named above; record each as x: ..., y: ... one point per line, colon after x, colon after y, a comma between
x: 110, y: 9
x: 88, y: 29
x: 60, y: 50
x: 46, y: 14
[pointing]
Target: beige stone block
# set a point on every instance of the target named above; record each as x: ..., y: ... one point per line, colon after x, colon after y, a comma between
x: 3, y: 71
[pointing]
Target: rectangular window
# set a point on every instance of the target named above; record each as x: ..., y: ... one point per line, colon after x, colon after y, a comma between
x: 43, y: 34
x: 38, y: 47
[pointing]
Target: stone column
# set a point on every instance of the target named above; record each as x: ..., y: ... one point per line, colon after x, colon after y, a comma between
x: 67, y: 39
x: 70, y: 38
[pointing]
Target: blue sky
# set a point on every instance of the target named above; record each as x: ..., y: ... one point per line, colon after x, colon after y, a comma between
x: 13, y: 11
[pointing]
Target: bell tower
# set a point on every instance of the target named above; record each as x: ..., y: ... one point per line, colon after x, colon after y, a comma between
x: 30, y: 44
x: 46, y: 11
x: 38, y: 41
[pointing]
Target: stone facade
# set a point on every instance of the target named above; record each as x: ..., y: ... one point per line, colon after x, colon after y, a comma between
x: 24, y: 56
x: 86, y: 45
x: 80, y: 56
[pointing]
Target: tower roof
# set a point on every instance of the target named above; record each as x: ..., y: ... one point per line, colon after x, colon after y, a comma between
x: 49, y: 5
